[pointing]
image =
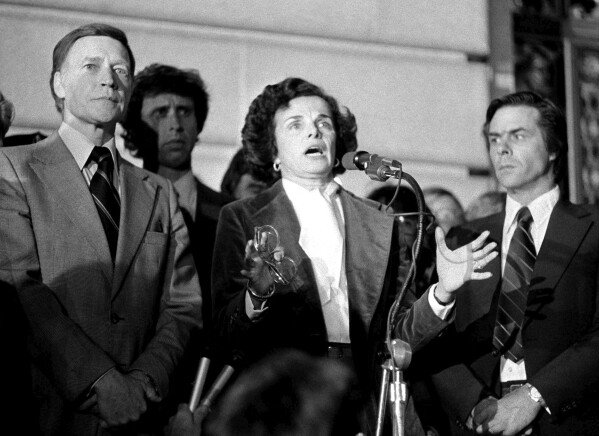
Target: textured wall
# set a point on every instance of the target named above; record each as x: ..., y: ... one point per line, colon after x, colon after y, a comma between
x: 401, y: 67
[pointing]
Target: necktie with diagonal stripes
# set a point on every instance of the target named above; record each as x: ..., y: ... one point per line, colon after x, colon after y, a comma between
x: 106, y: 196
x: 520, y: 262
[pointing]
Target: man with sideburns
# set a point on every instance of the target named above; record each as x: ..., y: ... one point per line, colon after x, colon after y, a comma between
x: 522, y: 354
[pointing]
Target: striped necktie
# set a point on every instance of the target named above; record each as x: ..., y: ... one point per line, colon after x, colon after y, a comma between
x: 106, y: 196
x: 520, y: 262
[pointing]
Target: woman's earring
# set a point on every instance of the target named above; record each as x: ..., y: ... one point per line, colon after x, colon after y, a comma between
x: 277, y: 166
x: 337, y: 163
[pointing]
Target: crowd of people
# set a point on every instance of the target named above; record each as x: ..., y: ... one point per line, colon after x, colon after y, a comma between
x: 118, y: 282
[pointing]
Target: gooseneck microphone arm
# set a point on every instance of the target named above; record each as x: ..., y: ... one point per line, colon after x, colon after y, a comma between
x: 394, y: 310
x: 381, y: 169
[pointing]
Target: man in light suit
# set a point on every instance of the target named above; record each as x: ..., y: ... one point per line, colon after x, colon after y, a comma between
x: 552, y: 387
x: 109, y: 317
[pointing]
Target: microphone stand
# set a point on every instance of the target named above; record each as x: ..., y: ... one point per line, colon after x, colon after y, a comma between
x: 393, y: 388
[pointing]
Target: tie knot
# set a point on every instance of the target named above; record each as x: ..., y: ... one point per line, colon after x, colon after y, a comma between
x: 524, y: 217
x: 100, y: 155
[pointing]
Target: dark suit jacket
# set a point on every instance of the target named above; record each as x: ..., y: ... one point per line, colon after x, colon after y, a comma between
x: 85, y: 315
x: 560, y: 333
x: 294, y: 317
x: 202, y: 234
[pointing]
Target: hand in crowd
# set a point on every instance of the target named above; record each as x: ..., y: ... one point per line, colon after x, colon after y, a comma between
x: 456, y: 267
x: 256, y: 268
x: 185, y: 423
x: 122, y: 398
x: 510, y: 415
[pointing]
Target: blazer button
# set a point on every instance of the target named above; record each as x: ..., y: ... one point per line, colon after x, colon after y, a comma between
x: 115, y: 318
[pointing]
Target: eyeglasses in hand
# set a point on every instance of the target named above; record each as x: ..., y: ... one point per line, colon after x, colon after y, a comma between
x: 266, y: 243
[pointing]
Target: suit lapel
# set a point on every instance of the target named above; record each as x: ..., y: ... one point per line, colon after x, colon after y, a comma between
x: 58, y: 171
x: 280, y: 214
x: 368, y: 238
x: 565, y: 233
x: 137, y: 206
x: 479, y: 298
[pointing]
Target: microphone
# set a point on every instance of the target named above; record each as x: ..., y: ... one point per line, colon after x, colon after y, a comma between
x: 401, y: 353
x: 198, y: 386
x: 376, y: 167
x: 216, y: 388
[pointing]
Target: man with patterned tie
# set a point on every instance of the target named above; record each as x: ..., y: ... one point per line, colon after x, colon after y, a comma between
x: 98, y: 252
x: 522, y: 355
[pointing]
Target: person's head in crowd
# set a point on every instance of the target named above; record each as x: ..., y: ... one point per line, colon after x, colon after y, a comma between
x: 404, y: 202
x: 488, y: 203
x: 7, y: 114
x: 24, y: 139
x: 74, y: 74
x: 287, y: 393
x: 445, y: 207
x: 167, y: 112
x: 521, y: 158
x: 238, y: 182
x: 295, y: 130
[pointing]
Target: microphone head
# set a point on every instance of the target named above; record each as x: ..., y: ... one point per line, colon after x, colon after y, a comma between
x: 401, y: 352
x: 351, y: 160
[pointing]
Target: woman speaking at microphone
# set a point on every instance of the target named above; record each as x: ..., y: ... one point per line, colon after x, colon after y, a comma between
x: 306, y: 264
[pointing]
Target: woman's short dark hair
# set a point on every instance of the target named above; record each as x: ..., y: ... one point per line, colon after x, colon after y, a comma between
x: 552, y: 123
x: 258, y: 133
x: 62, y: 48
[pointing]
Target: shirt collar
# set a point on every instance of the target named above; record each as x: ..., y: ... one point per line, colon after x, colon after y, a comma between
x: 540, y: 208
x: 295, y: 190
x: 185, y: 183
x: 81, y: 147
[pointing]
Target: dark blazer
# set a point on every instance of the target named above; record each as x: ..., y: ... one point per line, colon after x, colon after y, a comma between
x: 202, y: 234
x: 294, y: 317
x: 85, y: 315
x: 560, y: 333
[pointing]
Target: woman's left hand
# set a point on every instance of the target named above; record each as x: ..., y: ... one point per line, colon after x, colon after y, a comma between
x: 256, y: 268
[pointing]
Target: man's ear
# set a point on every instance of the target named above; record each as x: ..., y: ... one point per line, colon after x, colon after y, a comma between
x: 58, y: 85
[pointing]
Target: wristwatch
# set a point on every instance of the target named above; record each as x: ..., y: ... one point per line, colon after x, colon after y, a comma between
x: 534, y: 394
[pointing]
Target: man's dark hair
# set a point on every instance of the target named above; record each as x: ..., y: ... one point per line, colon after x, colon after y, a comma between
x: 288, y: 393
x: 552, y: 123
x: 62, y: 48
x: 154, y: 80
x: 258, y: 133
